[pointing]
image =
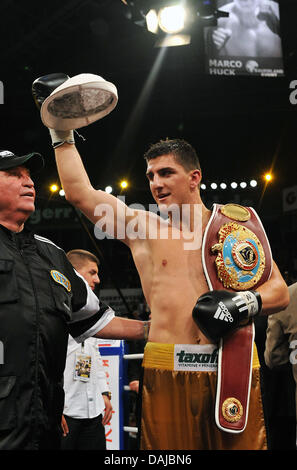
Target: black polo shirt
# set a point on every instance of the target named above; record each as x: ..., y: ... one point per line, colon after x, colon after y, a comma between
x: 42, y: 300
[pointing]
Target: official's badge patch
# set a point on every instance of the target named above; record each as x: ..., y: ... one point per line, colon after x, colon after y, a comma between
x: 61, y: 279
x: 232, y: 410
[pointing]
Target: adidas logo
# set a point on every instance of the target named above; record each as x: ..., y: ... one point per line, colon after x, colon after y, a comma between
x: 223, y: 313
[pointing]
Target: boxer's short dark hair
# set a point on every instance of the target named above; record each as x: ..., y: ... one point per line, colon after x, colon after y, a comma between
x: 183, y: 152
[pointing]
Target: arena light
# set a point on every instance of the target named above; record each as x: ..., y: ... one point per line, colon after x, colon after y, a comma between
x: 172, y: 40
x: 62, y: 192
x: 234, y: 185
x: 108, y: 189
x: 268, y: 177
x: 172, y: 19
x: 169, y: 23
x: 54, y: 188
x: 152, y: 22
x: 124, y: 184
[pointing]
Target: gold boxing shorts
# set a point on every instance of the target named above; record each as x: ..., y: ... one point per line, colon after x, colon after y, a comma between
x: 178, y: 401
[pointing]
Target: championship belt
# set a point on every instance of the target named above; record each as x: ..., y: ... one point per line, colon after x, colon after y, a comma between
x: 236, y: 256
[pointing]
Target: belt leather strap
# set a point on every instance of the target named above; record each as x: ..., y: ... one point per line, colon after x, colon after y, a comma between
x: 234, y: 380
x: 235, y: 350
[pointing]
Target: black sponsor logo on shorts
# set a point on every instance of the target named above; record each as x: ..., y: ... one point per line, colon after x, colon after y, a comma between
x: 197, y: 358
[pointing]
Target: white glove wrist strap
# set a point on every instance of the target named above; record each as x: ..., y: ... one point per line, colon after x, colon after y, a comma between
x: 60, y: 137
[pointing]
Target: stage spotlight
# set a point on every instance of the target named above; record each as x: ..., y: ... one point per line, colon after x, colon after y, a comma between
x: 62, y: 192
x: 152, y: 21
x: 243, y: 184
x: 234, y: 185
x: 167, y: 18
x: 253, y: 183
x: 172, y: 40
x: 172, y: 19
x: 203, y: 186
x: 108, y: 189
x: 213, y: 185
x: 223, y: 186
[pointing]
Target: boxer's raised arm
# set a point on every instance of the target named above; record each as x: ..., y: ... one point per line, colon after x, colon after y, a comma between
x: 111, y: 214
x: 97, y: 205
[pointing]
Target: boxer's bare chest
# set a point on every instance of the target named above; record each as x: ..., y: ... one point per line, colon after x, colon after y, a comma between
x: 169, y: 262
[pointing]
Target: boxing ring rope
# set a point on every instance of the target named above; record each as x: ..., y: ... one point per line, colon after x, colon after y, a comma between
x: 133, y: 356
x: 130, y: 429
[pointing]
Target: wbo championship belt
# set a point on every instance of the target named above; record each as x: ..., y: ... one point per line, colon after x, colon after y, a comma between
x: 236, y: 256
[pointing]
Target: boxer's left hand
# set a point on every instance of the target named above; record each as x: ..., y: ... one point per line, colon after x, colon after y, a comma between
x: 219, y: 312
x: 42, y: 87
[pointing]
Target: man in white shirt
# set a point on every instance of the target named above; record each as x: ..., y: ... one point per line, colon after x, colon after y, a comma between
x: 87, y: 405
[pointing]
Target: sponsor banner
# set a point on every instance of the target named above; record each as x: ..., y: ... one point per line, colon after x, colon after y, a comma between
x: 261, y: 67
x: 194, y: 357
x: 247, y: 41
x: 56, y: 215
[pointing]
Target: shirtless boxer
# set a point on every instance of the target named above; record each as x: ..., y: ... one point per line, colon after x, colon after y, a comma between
x: 250, y: 30
x: 177, y: 406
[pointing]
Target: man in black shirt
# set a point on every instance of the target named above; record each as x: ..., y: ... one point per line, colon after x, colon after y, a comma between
x: 42, y: 300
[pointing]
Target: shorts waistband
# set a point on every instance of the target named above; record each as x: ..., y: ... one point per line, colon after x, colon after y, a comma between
x: 186, y: 357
